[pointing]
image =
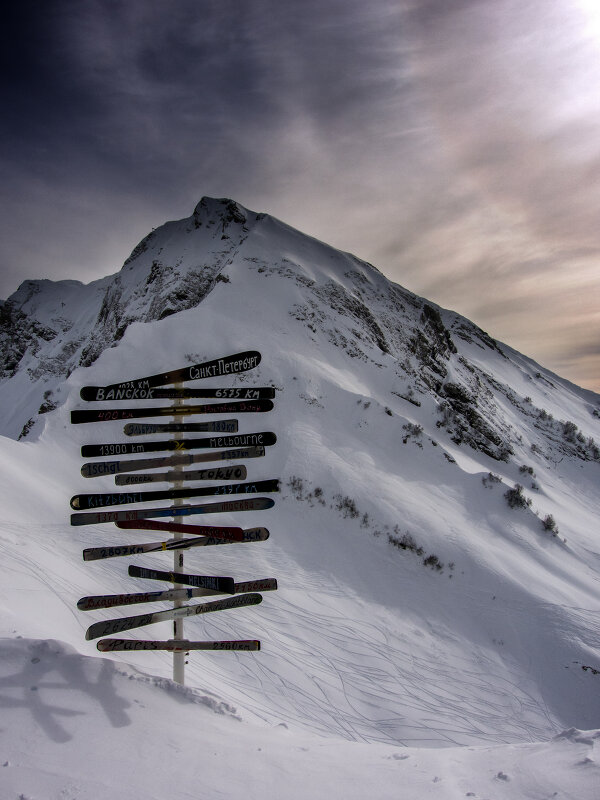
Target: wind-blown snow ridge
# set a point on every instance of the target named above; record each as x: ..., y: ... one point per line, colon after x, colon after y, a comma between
x: 435, y: 541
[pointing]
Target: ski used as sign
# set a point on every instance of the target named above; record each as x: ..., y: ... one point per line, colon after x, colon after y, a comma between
x: 97, y: 468
x: 217, y: 584
x: 262, y: 439
x: 227, y: 365
x: 243, y: 407
x: 102, y: 500
x: 237, y: 472
x: 146, y: 428
x: 259, y: 585
x: 224, y: 507
x: 195, y: 580
x: 175, y: 645
x: 101, y: 394
x: 222, y: 532
x: 106, y: 627
x: 92, y: 602
x: 178, y: 577
x: 96, y: 553
x: 112, y: 600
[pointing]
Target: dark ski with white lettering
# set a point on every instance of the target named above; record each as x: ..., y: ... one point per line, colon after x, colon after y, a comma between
x: 224, y: 507
x: 236, y: 472
x: 217, y: 584
x: 263, y: 439
x: 176, y: 645
x: 84, y: 501
x: 102, y: 394
x: 146, y: 428
x: 92, y: 602
x: 242, y: 407
x: 217, y: 531
x: 180, y: 577
x: 106, y: 627
x: 112, y: 551
x: 228, y: 365
x: 95, y: 469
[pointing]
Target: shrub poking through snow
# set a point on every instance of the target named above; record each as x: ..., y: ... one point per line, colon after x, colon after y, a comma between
x: 515, y: 497
x: 433, y: 562
x: 490, y: 479
x: 549, y: 524
x: 528, y: 470
x: 412, y: 429
x: 347, y: 506
x: 405, y: 542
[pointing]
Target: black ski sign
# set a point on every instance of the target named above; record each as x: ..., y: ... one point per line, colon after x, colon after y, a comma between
x: 106, y: 627
x: 237, y: 472
x: 227, y: 365
x: 83, y: 501
x: 98, y: 415
x: 101, y: 393
x: 97, y: 468
x: 175, y: 645
x: 263, y: 439
x: 92, y: 602
x: 181, y: 527
x: 202, y: 581
x: 145, y: 428
x: 217, y: 584
x: 225, y: 507
x: 96, y: 553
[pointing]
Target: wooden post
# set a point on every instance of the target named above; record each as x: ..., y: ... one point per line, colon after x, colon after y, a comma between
x: 178, y: 635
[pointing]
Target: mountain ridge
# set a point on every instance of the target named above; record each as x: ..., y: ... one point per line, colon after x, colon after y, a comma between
x: 48, y: 329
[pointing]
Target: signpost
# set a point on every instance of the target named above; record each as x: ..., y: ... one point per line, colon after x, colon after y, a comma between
x: 177, y: 482
x: 226, y: 444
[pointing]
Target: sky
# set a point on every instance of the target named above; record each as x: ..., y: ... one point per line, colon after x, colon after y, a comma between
x: 454, y: 144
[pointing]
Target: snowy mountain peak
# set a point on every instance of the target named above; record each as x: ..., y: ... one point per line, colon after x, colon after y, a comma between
x: 49, y: 329
x: 212, y: 210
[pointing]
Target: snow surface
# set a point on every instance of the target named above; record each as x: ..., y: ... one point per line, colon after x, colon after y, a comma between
x: 379, y: 675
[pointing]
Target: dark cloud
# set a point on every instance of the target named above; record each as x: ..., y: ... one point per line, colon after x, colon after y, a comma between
x: 170, y: 81
x: 147, y: 106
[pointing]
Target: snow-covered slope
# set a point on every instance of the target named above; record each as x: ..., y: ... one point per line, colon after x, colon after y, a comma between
x: 417, y: 607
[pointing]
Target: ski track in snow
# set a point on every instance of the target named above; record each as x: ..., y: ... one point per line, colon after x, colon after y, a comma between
x: 328, y: 672
x: 396, y: 697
